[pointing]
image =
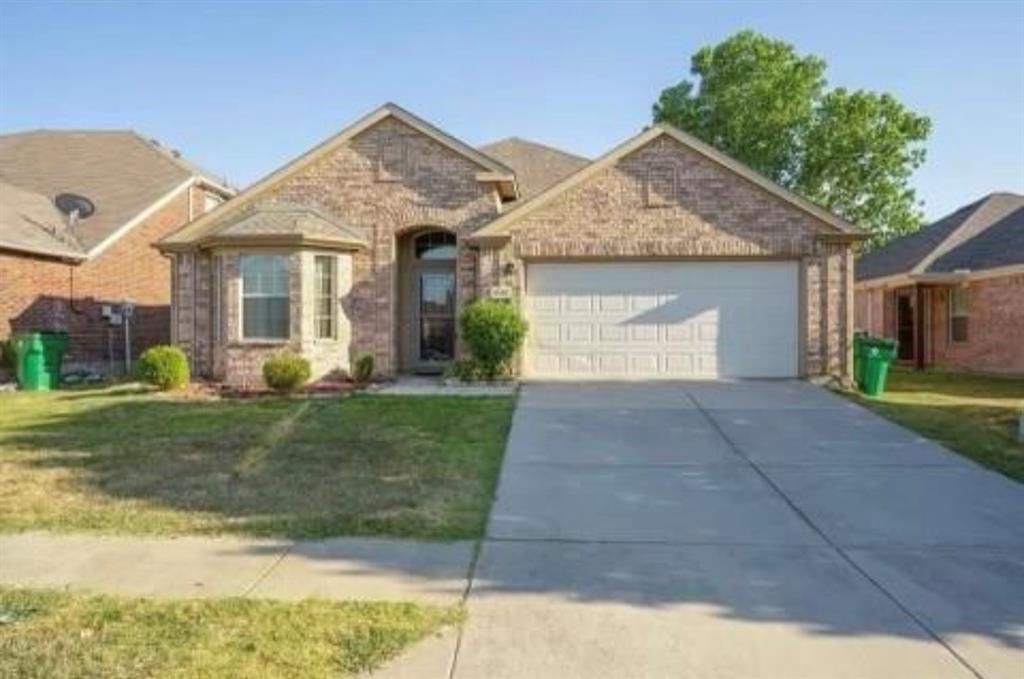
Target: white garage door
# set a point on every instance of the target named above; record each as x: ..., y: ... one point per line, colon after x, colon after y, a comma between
x: 661, y: 320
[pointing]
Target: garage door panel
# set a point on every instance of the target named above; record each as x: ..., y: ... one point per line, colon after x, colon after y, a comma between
x: 661, y: 319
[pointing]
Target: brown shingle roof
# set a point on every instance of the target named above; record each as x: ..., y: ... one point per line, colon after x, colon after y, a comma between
x: 121, y: 172
x: 30, y: 221
x: 537, y: 166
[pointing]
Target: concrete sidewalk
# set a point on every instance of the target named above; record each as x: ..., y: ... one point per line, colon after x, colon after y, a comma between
x: 339, y: 568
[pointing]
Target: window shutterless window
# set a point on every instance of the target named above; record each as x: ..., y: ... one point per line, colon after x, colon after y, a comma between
x: 265, y: 313
x: 958, y: 315
x: 325, y: 296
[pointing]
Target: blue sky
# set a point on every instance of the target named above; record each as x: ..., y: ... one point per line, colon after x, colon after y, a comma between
x: 242, y: 87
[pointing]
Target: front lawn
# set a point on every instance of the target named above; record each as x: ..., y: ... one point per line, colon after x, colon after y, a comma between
x: 121, y: 460
x: 60, y: 635
x: 975, y: 415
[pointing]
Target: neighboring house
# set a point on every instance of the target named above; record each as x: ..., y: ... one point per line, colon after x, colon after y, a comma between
x: 661, y: 259
x: 952, y: 293
x: 59, y: 269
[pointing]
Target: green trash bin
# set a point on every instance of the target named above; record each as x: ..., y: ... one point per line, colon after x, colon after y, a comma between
x: 38, y: 357
x: 878, y: 354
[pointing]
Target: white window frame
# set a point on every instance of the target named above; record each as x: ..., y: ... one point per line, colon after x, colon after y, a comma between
x: 242, y: 297
x: 964, y: 314
x: 332, y: 297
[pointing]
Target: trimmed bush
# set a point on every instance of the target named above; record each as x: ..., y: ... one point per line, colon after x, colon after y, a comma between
x: 466, y: 370
x: 362, y: 368
x: 164, y: 366
x: 493, y: 330
x: 286, y: 372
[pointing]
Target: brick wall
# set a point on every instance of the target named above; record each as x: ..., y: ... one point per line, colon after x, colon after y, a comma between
x: 995, y: 327
x: 665, y: 200
x: 41, y: 293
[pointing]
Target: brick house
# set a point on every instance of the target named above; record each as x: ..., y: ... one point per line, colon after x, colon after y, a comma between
x: 661, y: 259
x: 58, y: 270
x: 951, y: 293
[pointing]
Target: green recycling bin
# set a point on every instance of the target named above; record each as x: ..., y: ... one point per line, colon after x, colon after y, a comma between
x: 878, y: 354
x: 38, y: 357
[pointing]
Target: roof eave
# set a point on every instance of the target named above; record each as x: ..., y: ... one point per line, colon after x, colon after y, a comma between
x: 280, y: 240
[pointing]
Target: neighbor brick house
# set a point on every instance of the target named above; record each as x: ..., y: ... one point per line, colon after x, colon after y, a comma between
x: 58, y: 270
x: 661, y: 259
x: 952, y: 293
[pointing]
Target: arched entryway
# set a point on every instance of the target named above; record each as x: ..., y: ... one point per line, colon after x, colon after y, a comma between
x: 426, y: 300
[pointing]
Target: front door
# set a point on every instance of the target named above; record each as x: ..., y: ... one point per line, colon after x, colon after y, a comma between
x: 435, y: 320
x: 905, y: 326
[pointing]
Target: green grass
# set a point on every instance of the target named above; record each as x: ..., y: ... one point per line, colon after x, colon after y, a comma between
x: 118, y: 460
x: 975, y: 415
x: 58, y: 635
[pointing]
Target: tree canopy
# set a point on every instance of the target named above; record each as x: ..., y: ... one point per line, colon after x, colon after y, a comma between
x: 853, y: 152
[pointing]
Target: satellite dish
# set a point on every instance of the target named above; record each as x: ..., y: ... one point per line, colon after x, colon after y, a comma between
x: 74, y: 204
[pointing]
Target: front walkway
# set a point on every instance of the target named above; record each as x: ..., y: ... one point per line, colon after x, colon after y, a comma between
x: 339, y: 568
x: 752, y: 530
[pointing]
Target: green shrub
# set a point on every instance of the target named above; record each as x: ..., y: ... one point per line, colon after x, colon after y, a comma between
x: 362, y: 368
x: 286, y: 372
x: 467, y: 370
x: 493, y: 330
x: 163, y: 366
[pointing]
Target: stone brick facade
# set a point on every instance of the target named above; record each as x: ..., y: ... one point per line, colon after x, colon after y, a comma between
x: 995, y: 323
x: 39, y: 293
x: 666, y: 200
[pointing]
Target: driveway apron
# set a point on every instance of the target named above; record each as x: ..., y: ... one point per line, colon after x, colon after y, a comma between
x: 763, y: 529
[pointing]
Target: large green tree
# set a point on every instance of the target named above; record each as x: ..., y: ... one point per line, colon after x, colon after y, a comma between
x: 853, y: 152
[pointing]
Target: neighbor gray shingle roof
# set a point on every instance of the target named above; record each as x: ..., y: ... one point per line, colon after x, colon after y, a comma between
x: 952, y: 233
x: 1001, y: 244
x: 537, y: 166
x: 120, y: 171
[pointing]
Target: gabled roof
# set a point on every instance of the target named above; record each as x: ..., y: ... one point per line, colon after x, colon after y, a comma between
x: 491, y: 170
x: 537, y: 166
x: 284, y: 223
x: 121, y: 172
x: 963, y: 239
x: 499, y: 228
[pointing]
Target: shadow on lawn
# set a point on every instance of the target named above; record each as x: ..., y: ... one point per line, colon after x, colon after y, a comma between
x: 269, y: 467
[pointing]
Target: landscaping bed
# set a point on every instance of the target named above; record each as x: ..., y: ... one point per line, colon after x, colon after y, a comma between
x: 125, y: 460
x: 63, y: 635
x: 974, y: 415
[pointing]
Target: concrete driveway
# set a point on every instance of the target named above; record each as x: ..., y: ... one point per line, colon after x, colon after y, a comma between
x: 740, y: 530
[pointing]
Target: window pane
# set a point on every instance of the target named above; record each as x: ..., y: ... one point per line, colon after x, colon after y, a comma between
x: 265, y: 317
x: 958, y: 301
x: 959, y: 328
x: 325, y: 304
x: 264, y: 275
x: 435, y: 245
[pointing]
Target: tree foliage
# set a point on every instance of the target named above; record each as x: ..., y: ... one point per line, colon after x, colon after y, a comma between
x: 853, y: 152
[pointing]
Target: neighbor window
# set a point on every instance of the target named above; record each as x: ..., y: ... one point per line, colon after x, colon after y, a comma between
x: 958, y: 315
x: 265, y: 297
x: 326, y: 307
